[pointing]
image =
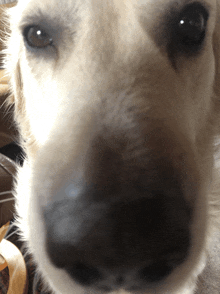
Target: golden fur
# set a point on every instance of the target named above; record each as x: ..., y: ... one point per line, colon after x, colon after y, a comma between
x: 111, y: 76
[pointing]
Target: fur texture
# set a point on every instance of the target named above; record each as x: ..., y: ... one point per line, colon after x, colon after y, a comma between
x: 115, y: 74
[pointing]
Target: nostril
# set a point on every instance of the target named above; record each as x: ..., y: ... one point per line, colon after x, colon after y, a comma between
x: 155, y: 272
x: 85, y: 275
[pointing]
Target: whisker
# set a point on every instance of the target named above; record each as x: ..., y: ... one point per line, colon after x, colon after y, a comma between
x: 6, y: 200
x: 7, y: 236
x: 6, y: 192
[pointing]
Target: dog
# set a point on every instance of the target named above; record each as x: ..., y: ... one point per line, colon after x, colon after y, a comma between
x: 117, y: 104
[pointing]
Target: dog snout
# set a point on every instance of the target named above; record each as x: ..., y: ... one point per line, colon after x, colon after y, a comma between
x: 100, y: 243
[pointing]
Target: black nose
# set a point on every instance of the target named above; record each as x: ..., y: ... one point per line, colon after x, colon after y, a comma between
x: 85, y: 275
x: 156, y: 271
x: 88, y: 275
x: 142, y: 240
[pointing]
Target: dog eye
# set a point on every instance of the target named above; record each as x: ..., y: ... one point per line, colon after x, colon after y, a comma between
x: 37, y: 37
x: 192, y: 24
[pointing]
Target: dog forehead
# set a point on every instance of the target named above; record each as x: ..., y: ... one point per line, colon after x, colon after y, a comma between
x: 119, y: 6
x: 126, y: 2
x: 126, y: 13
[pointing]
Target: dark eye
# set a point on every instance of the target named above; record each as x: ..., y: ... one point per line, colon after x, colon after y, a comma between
x: 37, y: 37
x: 192, y: 25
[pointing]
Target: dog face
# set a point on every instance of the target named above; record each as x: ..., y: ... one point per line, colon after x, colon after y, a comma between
x: 116, y: 104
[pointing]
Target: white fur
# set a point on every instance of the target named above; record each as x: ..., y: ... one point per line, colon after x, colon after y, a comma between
x: 56, y: 104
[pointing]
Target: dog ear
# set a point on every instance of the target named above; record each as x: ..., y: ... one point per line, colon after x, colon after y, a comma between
x: 27, y: 139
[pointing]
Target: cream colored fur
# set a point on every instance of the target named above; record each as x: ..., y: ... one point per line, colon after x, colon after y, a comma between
x: 100, y: 56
